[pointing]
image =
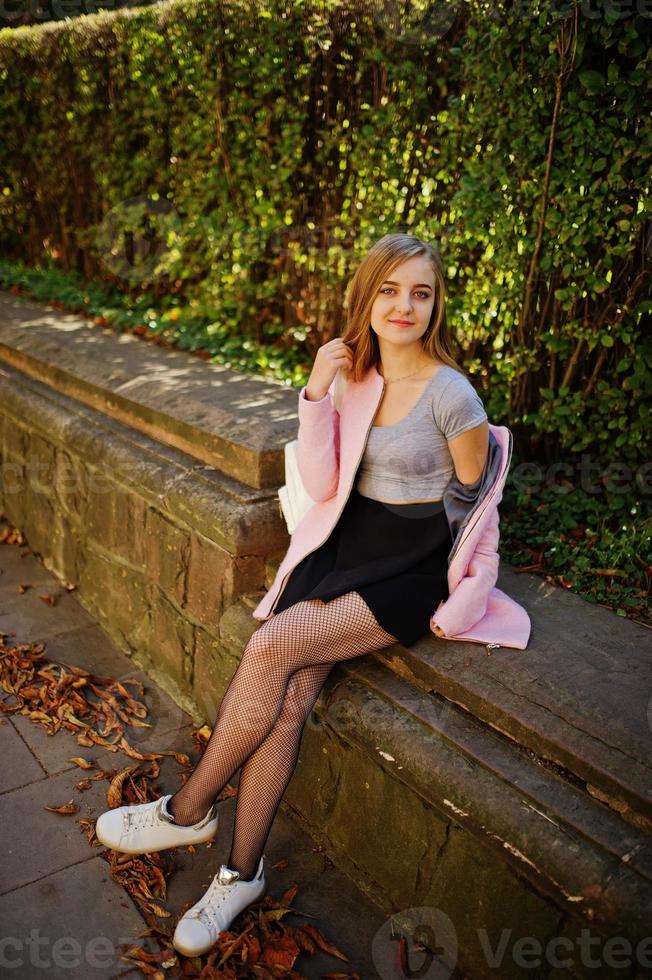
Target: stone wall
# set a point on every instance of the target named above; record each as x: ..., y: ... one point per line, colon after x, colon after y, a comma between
x: 157, y: 544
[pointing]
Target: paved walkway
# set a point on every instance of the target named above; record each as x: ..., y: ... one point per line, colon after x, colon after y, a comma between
x: 61, y: 913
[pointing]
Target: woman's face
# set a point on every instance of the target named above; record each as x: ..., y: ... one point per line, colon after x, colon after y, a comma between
x: 407, y: 295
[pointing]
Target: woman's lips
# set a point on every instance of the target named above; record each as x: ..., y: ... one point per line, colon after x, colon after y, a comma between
x: 402, y: 323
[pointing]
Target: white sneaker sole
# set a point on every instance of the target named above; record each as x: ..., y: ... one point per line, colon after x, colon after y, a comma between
x: 186, y: 836
x: 121, y: 849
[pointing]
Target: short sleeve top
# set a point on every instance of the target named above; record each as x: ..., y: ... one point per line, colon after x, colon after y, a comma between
x: 410, y: 460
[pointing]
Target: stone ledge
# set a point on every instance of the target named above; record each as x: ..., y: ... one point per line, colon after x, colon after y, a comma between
x: 583, y: 704
x: 235, y: 422
x: 230, y: 513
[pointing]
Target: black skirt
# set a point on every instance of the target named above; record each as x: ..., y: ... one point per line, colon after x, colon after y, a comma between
x: 395, y: 556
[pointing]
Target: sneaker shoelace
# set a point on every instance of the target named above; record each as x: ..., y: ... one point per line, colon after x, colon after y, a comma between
x: 214, y: 898
x: 141, y: 817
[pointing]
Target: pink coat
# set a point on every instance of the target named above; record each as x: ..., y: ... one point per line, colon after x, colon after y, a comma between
x: 329, y: 450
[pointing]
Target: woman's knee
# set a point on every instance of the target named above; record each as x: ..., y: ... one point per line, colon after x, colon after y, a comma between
x: 265, y: 652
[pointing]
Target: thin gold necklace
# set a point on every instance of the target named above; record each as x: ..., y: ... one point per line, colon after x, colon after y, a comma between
x: 392, y: 380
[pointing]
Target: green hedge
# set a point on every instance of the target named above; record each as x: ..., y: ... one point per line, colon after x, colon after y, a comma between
x: 266, y: 146
x: 20, y: 13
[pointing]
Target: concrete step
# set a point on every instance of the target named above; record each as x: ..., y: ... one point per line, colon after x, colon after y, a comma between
x: 578, y: 697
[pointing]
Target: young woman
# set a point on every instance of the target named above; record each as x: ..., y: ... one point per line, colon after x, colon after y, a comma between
x: 375, y: 579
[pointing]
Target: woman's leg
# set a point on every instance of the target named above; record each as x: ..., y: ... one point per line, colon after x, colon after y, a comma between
x: 308, y: 633
x: 267, y: 772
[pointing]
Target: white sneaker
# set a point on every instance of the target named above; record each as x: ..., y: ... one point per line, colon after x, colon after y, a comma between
x: 146, y: 827
x: 226, y: 897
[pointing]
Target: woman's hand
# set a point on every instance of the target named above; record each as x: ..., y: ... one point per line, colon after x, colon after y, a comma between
x: 437, y: 630
x: 329, y: 358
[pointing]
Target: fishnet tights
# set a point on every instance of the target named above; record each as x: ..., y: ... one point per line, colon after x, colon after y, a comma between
x: 264, y: 710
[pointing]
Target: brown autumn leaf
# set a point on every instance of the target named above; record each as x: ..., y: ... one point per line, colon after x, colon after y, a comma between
x: 141, y: 890
x: 65, y: 808
x: 110, y: 719
x: 159, y: 887
x: 82, y: 763
x: 88, y: 826
x: 31, y: 691
x: 114, y: 792
x: 64, y: 711
x: 280, y: 952
x: 180, y: 757
x: 83, y: 784
x: 162, y: 913
x: 227, y: 949
x: 134, y: 753
x: 140, y: 955
x: 103, y: 774
x: 278, y: 912
x: 98, y: 740
x: 288, y: 896
x: 303, y: 941
x: 323, y: 943
x: 51, y: 601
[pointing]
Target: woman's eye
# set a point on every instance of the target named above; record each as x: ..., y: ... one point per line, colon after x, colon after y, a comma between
x: 390, y: 289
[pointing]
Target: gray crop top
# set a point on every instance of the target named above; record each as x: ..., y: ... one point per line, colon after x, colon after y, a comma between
x: 410, y: 460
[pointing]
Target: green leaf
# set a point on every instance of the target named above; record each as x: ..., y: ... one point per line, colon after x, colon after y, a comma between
x: 592, y: 81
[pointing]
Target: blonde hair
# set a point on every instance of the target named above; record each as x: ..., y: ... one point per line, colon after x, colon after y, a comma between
x: 374, y: 269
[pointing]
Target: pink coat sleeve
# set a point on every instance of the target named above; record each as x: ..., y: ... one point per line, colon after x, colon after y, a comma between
x: 467, y: 603
x: 318, y: 445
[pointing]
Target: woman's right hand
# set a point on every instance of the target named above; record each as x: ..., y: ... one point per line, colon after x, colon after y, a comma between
x: 329, y: 358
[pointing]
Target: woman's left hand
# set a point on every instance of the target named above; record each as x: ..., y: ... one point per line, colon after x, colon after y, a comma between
x: 438, y: 631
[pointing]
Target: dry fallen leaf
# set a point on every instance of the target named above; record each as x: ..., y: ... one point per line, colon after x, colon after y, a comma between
x: 114, y: 792
x: 65, y: 808
x: 323, y: 943
x: 82, y: 763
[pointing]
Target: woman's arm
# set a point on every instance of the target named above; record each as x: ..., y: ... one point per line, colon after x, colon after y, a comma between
x: 318, y: 446
x: 469, y: 452
x: 467, y: 603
